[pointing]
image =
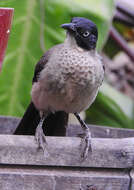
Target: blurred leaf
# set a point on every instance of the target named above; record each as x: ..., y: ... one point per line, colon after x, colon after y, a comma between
x: 111, y: 108
x: 111, y: 48
x: 23, y: 52
x: 24, y: 48
x: 124, y: 102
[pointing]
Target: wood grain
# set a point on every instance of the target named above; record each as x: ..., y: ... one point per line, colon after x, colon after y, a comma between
x: 65, y: 151
x: 48, y: 178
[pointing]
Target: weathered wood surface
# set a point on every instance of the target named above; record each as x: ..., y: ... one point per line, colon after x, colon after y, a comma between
x: 101, y: 131
x: 9, y: 124
x: 47, y: 178
x: 65, y: 151
x: 23, y: 166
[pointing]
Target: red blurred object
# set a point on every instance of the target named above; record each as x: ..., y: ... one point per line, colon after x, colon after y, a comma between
x: 6, y: 15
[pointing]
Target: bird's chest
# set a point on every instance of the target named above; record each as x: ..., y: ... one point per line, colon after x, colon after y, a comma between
x: 79, y: 67
x: 74, y: 69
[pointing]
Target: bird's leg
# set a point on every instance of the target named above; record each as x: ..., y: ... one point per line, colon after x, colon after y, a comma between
x: 39, y: 134
x: 87, y: 136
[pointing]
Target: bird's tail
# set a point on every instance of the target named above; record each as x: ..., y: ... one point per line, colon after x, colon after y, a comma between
x: 29, y: 121
x: 54, y: 125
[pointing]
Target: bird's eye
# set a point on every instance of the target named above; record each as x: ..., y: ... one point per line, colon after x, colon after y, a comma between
x: 86, y: 34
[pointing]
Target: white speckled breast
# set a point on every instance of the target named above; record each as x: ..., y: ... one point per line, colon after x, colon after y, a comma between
x: 70, y: 80
x: 80, y: 66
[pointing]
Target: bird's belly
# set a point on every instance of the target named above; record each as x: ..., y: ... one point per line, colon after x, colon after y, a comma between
x: 77, y: 100
x: 70, y: 97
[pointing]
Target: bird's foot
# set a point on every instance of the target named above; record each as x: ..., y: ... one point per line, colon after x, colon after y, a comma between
x: 86, y: 141
x: 86, y: 144
x: 40, y: 137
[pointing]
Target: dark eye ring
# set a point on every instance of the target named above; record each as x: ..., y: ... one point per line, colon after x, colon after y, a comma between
x: 86, y: 34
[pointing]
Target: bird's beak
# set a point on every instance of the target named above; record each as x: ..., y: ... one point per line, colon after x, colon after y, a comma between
x: 69, y: 26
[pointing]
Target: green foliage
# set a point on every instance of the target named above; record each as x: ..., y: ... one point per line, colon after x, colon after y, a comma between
x: 105, y: 111
x: 25, y: 49
x: 111, y: 48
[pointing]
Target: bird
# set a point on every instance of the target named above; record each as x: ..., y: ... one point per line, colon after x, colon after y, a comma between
x: 66, y: 80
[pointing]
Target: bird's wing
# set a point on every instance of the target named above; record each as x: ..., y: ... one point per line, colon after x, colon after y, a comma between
x: 43, y: 61
x: 40, y: 65
x: 55, y: 124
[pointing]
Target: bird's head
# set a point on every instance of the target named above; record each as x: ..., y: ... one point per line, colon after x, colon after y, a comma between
x: 84, y: 31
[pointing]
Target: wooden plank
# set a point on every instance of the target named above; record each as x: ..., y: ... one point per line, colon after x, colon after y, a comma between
x: 65, y: 151
x: 9, y: 124
x: 101, y: 131
x: 51, y: 178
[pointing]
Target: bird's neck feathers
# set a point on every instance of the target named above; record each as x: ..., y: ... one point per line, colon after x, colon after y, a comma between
x: 70, y: 40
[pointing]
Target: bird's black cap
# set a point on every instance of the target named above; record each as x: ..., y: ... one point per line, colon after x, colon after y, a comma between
x: 84, y: 30
x: 83, y: 22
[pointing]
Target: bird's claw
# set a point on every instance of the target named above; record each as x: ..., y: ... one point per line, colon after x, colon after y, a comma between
x: 87, y: 144
x: 40, y: 138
